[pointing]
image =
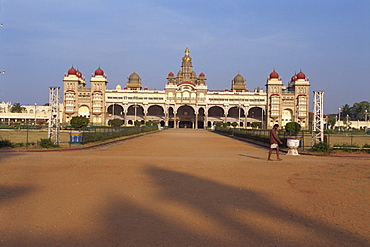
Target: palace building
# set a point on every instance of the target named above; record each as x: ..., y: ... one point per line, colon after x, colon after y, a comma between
x: 186, y: 101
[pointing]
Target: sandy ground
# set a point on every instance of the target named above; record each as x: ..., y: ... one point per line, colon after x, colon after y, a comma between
x: 183, y: 188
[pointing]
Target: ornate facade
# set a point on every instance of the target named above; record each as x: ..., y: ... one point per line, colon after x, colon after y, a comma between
x: 186, y: 101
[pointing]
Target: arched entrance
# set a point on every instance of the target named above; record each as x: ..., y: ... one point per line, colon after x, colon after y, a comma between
x: 84, y: 111
x: 215, y: 115
x: 256, y: 114
x: 201, y: 118
x: 286, y: 117
x: 155, y: 114
x: 236, y: 114
x: 115, y: 110
x: 186, y: 116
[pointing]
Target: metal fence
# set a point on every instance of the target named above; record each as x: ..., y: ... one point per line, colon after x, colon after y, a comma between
x: 356, y: 139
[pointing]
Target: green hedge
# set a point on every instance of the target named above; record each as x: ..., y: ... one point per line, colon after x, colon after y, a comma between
x: 95, y: 134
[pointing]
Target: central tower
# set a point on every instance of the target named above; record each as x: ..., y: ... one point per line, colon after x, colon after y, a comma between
x: 186, y: 74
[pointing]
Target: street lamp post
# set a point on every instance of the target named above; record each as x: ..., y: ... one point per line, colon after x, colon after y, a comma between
x: 135, y: 108
x: 35, y: 114
x: 239, y: 116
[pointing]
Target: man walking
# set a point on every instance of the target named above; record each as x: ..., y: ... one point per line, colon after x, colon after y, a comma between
x: 274, y: 142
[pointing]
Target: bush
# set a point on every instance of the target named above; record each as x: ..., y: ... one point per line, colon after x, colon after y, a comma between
x: 116, y: 122
x: 234, y: 124
x: 292, y: 128
x: 47, y: 143
x: 321, y: 147
x: 79, y: 122
x: 256, y: 125
x: 5, y: 143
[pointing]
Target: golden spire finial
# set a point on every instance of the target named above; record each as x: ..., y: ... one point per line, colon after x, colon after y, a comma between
x: 187, y: 50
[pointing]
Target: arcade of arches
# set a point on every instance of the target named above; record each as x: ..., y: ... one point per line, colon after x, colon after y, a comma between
x: 185, y: 116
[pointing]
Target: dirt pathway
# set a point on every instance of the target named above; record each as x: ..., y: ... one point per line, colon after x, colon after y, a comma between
x: 182, y: 188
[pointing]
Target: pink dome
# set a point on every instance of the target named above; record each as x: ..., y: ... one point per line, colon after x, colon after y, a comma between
x: 301, y: 75
x: 78, y: 74
x: 72, y: 71
x: 99, y: 71
x: 274, y: 75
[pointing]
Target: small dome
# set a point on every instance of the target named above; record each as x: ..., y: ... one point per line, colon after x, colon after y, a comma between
x: 134, y: 76
x: 78, y: 74
x: 99, y: 71
x: 171, y: 74
x: 146, y: 88
x: 274, y: 75
x: 202, y: 75
x: 226, y: 90
x: 294, y: 78
x: 72, y: 71
x: 301, y: 75
x: 239, y: 79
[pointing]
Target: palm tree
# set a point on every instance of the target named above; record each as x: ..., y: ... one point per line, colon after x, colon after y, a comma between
x: 17, y: 108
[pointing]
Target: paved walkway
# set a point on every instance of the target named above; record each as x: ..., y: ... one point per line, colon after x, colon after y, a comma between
x: 182, y: 188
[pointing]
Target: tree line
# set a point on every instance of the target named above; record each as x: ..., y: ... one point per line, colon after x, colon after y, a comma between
x: 358, y: 111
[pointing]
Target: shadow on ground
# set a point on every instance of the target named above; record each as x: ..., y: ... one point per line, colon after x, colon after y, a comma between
x: 221, y: 215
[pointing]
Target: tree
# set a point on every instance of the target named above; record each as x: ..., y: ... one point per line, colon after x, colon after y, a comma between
x: 17, y: 108
x: 79, y: 122
x: 116, y: 122
x: 234, y: 124
x: 357, y: 111
x: 149, y: 123
x: 137, y: 123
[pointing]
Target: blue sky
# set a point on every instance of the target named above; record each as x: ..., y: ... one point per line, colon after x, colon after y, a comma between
x: 329, y: 40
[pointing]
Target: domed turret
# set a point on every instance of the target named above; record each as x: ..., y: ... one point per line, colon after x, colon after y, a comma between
x: 301, y: 76
x: 274, y: 75
x: 78, y: 74
x: 134, y: 82
x: 72, y: 71
x: 99, y: 72
x: 294, y: 78
x: 238, y: 84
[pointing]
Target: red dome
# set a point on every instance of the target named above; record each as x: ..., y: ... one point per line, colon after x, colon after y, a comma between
x: 99, y: 71
x: 274, y: 75
x: 226, y: 90
x: 145, y: 88
x: 78, y: 74
x: 170, y: 74
x: 72, y: 71
x: 294, y: 78
x: 201, y: 75
x: 301, y: 75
